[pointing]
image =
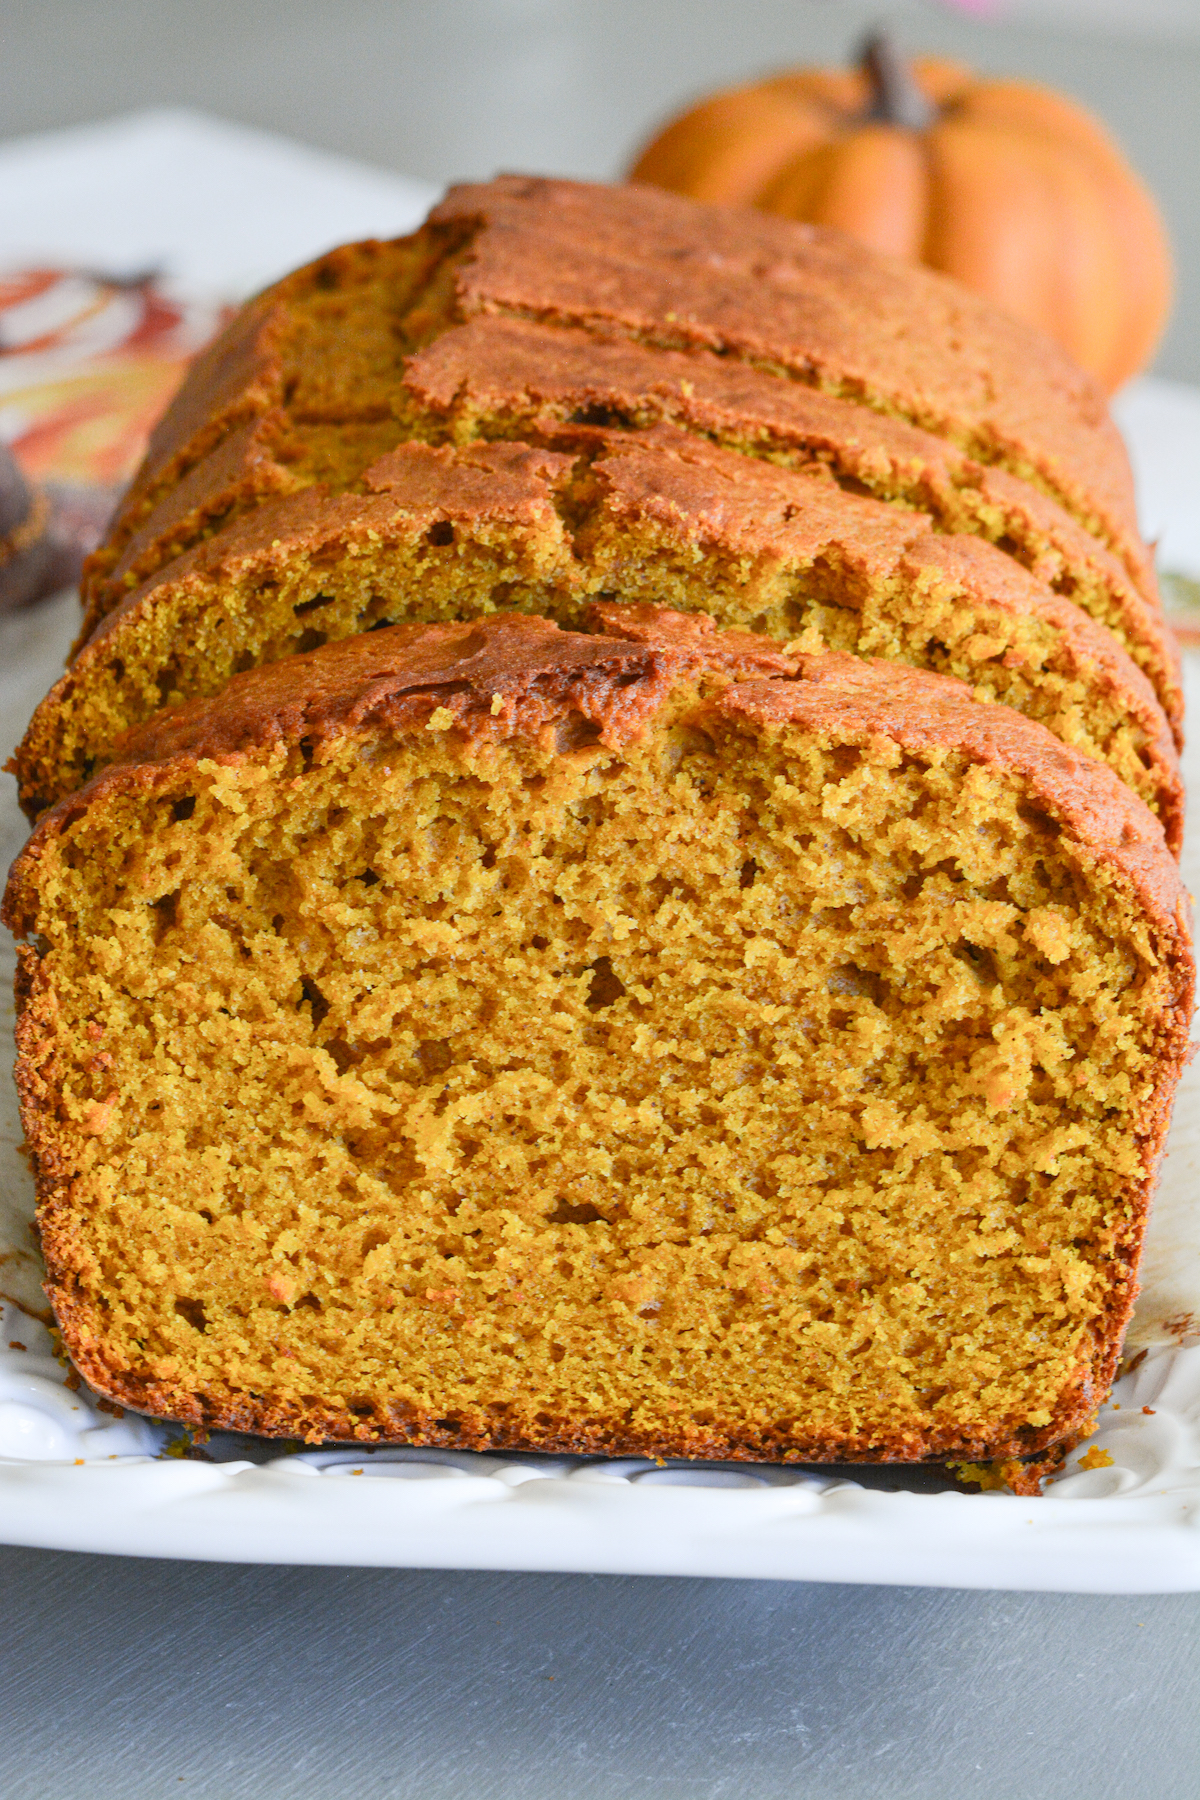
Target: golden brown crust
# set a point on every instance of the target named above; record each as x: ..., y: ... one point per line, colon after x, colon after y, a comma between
x: 329, y: 343
x: 675, y: 272
x: 516, y: 376
x: 261, y: 1416
x: 478, y: 485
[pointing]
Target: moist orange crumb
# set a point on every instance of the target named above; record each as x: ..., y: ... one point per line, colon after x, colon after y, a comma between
x: 706, y: 1053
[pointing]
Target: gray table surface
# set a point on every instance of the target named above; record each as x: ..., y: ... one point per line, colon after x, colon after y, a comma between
x: 136, y: 1680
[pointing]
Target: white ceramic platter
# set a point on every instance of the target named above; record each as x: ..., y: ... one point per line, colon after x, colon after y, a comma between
x: 73, y: 1476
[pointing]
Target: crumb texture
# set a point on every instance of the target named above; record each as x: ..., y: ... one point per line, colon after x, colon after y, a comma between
x: 713, y: 1071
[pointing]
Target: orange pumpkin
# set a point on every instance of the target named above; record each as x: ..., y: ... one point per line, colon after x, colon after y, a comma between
x: 1015, y: 190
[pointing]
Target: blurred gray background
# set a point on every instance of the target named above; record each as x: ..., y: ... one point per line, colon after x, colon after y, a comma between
x: 136, y: 1680
x: 452, y: 88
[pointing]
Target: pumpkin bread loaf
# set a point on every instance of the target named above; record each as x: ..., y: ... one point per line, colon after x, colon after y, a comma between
x: 657, y: 516
x: 527, y: 305
x: 486, y: 1035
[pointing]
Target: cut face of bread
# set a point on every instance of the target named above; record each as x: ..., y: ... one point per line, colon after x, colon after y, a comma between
x: 660, y: 518
x: 489, y: 1035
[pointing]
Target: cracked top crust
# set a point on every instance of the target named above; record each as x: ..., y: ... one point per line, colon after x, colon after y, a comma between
x: 800, y: 298
x: 655, y: 282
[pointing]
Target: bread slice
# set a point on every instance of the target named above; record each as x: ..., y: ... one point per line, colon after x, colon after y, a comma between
x: 485, y: 1035
x: 658, y: 516
x: 525, y: 305
x: 506, y: 377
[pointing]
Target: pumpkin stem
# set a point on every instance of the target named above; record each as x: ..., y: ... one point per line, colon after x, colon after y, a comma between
x: 895, y: 97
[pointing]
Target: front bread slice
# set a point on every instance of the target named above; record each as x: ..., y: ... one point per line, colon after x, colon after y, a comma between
x: 489, y: 1035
